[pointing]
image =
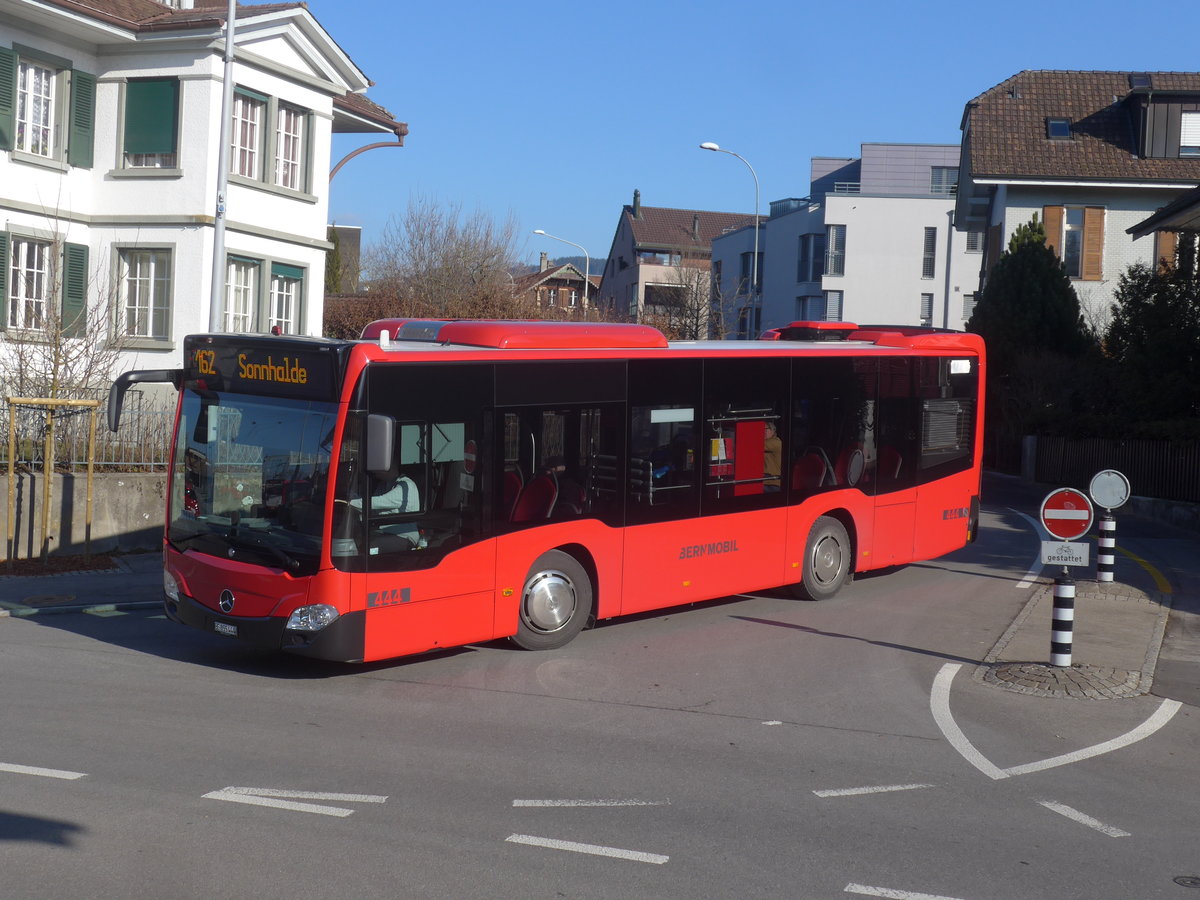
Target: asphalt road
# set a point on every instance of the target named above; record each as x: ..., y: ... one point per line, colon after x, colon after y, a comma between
x: 751, y: 747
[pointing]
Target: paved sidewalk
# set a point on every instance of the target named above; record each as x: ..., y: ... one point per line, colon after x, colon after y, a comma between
x: 1118, y: 631
x: 136, y: 583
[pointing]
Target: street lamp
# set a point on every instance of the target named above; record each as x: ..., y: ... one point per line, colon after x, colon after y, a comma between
x: 587, y: 264
x: 754, y: 292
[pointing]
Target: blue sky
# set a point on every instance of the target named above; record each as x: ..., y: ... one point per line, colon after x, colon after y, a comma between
x: 555, y: 113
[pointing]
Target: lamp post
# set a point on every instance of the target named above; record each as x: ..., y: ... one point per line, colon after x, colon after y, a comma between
x: 587, y: 264
x: 754, y: 292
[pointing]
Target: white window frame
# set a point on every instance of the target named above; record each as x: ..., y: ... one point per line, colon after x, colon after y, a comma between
x: 37, y: 110
x: 835, y: 250
x: 284, y: 310
x: 246, y: 142
x: 927, y: 310
x: 30, y: 282
x: 1189, y: 134
x: 291, y: 123
x: 834, y: 301
x: 144, y: 288
x: 1072, y: 240
x: 241, y: 294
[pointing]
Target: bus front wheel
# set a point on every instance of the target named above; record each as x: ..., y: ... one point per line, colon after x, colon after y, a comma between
x: 826, y: 560
x: 555, y: 602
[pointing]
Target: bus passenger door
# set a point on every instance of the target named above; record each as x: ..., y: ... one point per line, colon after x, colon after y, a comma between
x: 897, y: 420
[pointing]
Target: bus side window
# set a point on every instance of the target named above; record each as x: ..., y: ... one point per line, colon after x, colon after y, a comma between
x: 664, y: 411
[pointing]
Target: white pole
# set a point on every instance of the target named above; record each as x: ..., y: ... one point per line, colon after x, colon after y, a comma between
x: 755, y: 295
x: 216, y: 299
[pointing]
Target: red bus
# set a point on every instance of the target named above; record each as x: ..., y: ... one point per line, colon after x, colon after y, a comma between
x: 441, y: 483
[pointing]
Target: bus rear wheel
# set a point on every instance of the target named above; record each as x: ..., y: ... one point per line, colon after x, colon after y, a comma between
x: 555, y: 602
x: 826, y: 560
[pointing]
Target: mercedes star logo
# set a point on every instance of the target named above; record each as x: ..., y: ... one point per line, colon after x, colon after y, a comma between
x: 226, y: 601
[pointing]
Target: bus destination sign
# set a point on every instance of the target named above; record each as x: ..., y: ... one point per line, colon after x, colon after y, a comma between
x: 274, y: 367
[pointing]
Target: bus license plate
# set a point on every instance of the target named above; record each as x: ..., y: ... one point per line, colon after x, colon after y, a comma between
x: 225, y: 628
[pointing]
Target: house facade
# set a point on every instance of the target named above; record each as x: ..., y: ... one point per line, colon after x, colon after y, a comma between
x: 110, y: 115
x: 1092, y: 154
x: 872, y: 242
x: 556, y: 290
x: 659, y: 263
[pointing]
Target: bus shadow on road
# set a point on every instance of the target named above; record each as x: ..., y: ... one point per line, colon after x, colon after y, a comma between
x: 152, y: 634
x: 854, y: 637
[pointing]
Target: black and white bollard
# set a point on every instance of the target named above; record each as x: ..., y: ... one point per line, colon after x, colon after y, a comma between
x: 1063, y: 625
x: 1106, y: 552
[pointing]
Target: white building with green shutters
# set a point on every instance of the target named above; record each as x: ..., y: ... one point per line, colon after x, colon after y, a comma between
x: 109, y: 137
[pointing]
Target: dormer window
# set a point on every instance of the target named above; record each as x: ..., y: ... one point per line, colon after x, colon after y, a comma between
x: 1140, y: 80
x: 1058, y: 129
x: 1189, y: 134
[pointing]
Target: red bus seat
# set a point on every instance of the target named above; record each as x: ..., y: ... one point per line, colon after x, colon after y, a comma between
x: 889, y: 463
x: 536, y: 500
x: 808, y: 473
x: 512, y: 490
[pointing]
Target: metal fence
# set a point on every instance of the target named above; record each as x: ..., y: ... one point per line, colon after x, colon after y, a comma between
x: 1168, y: 470
x: 143, y: 443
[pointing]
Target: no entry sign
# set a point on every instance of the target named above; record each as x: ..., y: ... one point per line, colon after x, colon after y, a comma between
x: 1067, y: 514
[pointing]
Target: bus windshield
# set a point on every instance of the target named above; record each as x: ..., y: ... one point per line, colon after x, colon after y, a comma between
x: 249, y: 478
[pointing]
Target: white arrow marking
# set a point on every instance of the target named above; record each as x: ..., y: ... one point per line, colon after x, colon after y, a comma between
x: 44, y: 773
x: 939, y: 704
x: 593, y: 849
x: 883, y: 789
x: 1076, y: 815
x: 285, y: 799
x: 891, y: 893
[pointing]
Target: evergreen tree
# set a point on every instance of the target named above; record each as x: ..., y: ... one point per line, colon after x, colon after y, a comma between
x: 1153, y: 340
x: 1028, y: 306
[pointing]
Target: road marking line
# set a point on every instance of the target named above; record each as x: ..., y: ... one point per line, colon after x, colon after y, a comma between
x: 1160, y: 580
x: 891, y: 893
x: 1166, y: 710
x: 593, y: 849
x: 44, y: 773
x: 882, y: 789
x: 275, y: 798
x: 104, y: 612
x: 578, y: 803
x: 1082, y: 819
x: 939, y: 705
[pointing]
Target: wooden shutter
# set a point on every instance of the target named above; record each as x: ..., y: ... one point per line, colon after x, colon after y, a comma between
x: 151, y: 114
x: 3, y: 279
x: 82, y: 125
x: 1165, y: 244
x: 8, y: 98
x: 74, y: 299
x: 1052, y: 219
x: 1093, y: 244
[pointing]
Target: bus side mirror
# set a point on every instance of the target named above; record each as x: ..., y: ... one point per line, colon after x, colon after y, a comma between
x: 116, y: 393
x: 381, y: 445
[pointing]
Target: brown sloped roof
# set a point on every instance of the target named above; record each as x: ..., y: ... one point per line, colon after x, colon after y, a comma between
x: 150, y: 15
x: 672, y: 228
x: 530, y: 280
x: 1006, y: 134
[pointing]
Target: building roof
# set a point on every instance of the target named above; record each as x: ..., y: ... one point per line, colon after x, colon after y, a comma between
x: 683, y: 229
x: 566, y: 271
x: 1006, y: 127
x: 1183, y: 214
x: 145, y: 16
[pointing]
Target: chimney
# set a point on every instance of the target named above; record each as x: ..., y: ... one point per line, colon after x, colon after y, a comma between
x: 543, y: 263
x: 637, y: 203
x: 695, y: 227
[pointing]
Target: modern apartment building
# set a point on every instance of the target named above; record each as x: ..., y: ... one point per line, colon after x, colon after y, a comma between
x: 872, y: 242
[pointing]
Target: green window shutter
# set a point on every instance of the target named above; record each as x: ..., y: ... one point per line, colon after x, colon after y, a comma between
x: 83, y: 119
x: 8, y: 98
x: 3, y: 279
x: 253, y: 95
x: 151, y: 115
x: 281, y: 270
x: 75, y: 279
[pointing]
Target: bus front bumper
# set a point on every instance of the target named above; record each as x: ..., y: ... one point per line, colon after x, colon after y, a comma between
x: 342, y: 640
